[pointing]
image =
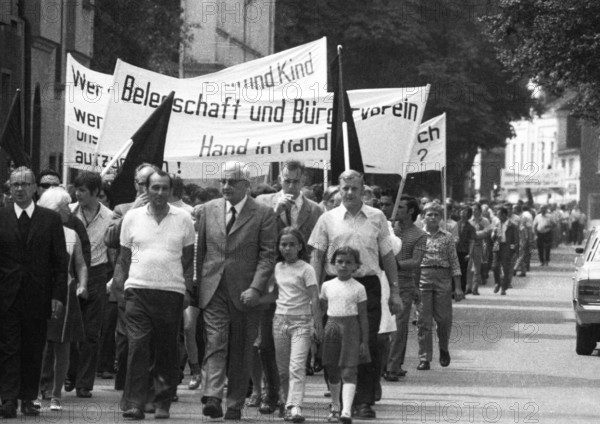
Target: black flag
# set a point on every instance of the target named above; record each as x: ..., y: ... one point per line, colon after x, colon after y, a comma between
x: 11, y: 139
x: 148, y: 146
x: 340, y: 115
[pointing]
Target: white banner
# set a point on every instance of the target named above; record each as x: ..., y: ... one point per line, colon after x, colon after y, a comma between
x: 429, y: 150
x: 208, y: 128
x: 86, y: 99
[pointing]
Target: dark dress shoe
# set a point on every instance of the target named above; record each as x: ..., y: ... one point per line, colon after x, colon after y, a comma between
x: 212, y: 408
x: 364, y: 412
x: 503, y: 293
x: 310, y: 370
x: 496, y: 288
x: 134, y: 414
x: 444, y: 358
x: 82, y: 392
x: 8, y: 409
x: 69, y: 385
x: 391, y: 376
x: 233, y: 414
x: 423, y: 366
x: 267, y: 407
x: 29, y: 409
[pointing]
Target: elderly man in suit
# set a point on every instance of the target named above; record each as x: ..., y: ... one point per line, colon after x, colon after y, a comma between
x: 33, y: 285
x: 292, y: 209
x: 235, y: 260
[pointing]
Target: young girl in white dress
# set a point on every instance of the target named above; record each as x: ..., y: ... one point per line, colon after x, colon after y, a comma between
x: 346, y: 341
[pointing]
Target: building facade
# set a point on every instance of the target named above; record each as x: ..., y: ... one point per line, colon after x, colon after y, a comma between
x: 544, y: 157
x: 226, y: 33
x: 35, y: 37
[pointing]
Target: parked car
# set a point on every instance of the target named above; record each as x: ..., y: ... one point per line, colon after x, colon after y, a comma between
x: 586, y: 294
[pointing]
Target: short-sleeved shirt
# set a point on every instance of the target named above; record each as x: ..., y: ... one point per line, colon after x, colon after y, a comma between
x: 414, y: 240
x: 343, y: 297
x: 367, y: 232
x: 293, y: 281
x: 96, y: 229
x: 156, y: 248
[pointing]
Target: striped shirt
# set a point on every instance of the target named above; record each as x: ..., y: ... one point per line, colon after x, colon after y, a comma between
x: 441, y: 252
x: 414, y: 240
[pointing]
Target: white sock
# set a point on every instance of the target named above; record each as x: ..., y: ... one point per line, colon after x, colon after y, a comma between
x: 335, y: 395
x: 348, y: 397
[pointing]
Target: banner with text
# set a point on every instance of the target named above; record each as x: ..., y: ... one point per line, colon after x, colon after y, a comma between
x: 86, y: 98
x: 210, y: 128
x: 429, y: 150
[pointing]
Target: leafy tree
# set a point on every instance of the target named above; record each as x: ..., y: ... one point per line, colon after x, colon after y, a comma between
x: 145, y: 33
x: 392, y: 43
x: 556, y: 43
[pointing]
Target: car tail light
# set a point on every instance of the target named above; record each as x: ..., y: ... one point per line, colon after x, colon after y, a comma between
x: 589, y: 291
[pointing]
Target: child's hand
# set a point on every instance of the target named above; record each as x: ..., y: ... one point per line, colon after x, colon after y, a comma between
x: 363, y: 350
x: 318, y: 334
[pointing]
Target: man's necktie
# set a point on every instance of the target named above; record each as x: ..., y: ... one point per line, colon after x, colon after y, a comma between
x: 288, y: 216
x: 231, y: 220
x: 24, y: 223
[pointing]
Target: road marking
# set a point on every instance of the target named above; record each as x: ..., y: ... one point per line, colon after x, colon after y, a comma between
x: 512, y: 307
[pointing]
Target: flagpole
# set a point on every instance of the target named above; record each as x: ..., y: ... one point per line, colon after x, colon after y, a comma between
x: 65, y: 170
x: 444, y: 196
x: 399, y: 195
x: 344, y: 124
x: 325, y: 174
x: 120, y: 153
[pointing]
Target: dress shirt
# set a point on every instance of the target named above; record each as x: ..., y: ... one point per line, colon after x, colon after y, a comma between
x: 441, y: 252
x: 96, y: 229
x: 238, y: 208
x: 29, y: 210
x: 367, y: 232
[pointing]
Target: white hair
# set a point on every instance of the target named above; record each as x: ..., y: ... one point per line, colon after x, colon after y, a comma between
x: 54, y: 198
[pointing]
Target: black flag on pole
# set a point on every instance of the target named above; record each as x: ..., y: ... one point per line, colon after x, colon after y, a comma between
x: 340, y: 115
x: 148, y: 146
x: 11, y: 139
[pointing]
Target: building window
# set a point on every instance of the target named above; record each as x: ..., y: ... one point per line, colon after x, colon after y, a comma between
x: 571, y: 165
x: 564, y: 164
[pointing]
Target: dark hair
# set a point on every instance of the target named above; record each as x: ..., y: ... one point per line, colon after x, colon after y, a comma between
x: 318, y: 192
x: 294, y: 165
x: 199, y: 194
x: 90, y: 180
x: 469, y: 210
x: 346, y: 250
x: 412, y: 203
x: 503, y: 210
x: 303, y: 253
x: 160, y: 173
x: 106, y: 189
x: 46, y: 172
x: 177, y: 184
x: 213, y: 193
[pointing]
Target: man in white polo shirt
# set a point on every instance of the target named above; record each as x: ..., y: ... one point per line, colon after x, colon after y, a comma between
x: 157, y: 256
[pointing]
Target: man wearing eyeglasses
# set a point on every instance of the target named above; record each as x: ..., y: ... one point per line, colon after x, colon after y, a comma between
x: 48, y: 178
x: 235, y: 260
x: 33, y: 287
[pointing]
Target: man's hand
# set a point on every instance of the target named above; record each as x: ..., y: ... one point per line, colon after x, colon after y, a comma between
x: 395, y: 302
x: 284, y: 203
x: 318, y: 336
x: 141, y: 200
x: 250, y: 297
x: 363, y: 350
x: 82, y: 292
x: 458, y: 294
x: 57, y: 307
x: 187, y: 300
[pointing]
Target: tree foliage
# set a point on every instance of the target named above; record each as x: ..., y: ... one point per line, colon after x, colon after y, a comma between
x: 402, y: 43
x: 556, y: 43
x: 145, y: 33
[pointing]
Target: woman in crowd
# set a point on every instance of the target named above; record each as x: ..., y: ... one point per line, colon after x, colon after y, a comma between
x: 67, y: 328
x: 479, y: 252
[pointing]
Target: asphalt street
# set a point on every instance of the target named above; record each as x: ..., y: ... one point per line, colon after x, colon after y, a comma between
x: 513, y: 361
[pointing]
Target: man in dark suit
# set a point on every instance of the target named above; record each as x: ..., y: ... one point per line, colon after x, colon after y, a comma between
x: 33, y: 285
x: 506, y: 240
x: 235, y: 260
x: 293, y: 209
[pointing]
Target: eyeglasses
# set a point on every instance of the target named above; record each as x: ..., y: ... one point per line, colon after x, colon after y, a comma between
x: 230, y: 181
x: 23, y: 185
x: 46, y: 186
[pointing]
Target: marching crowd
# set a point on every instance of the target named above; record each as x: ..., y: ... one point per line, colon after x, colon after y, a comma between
x: 252, y: 288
